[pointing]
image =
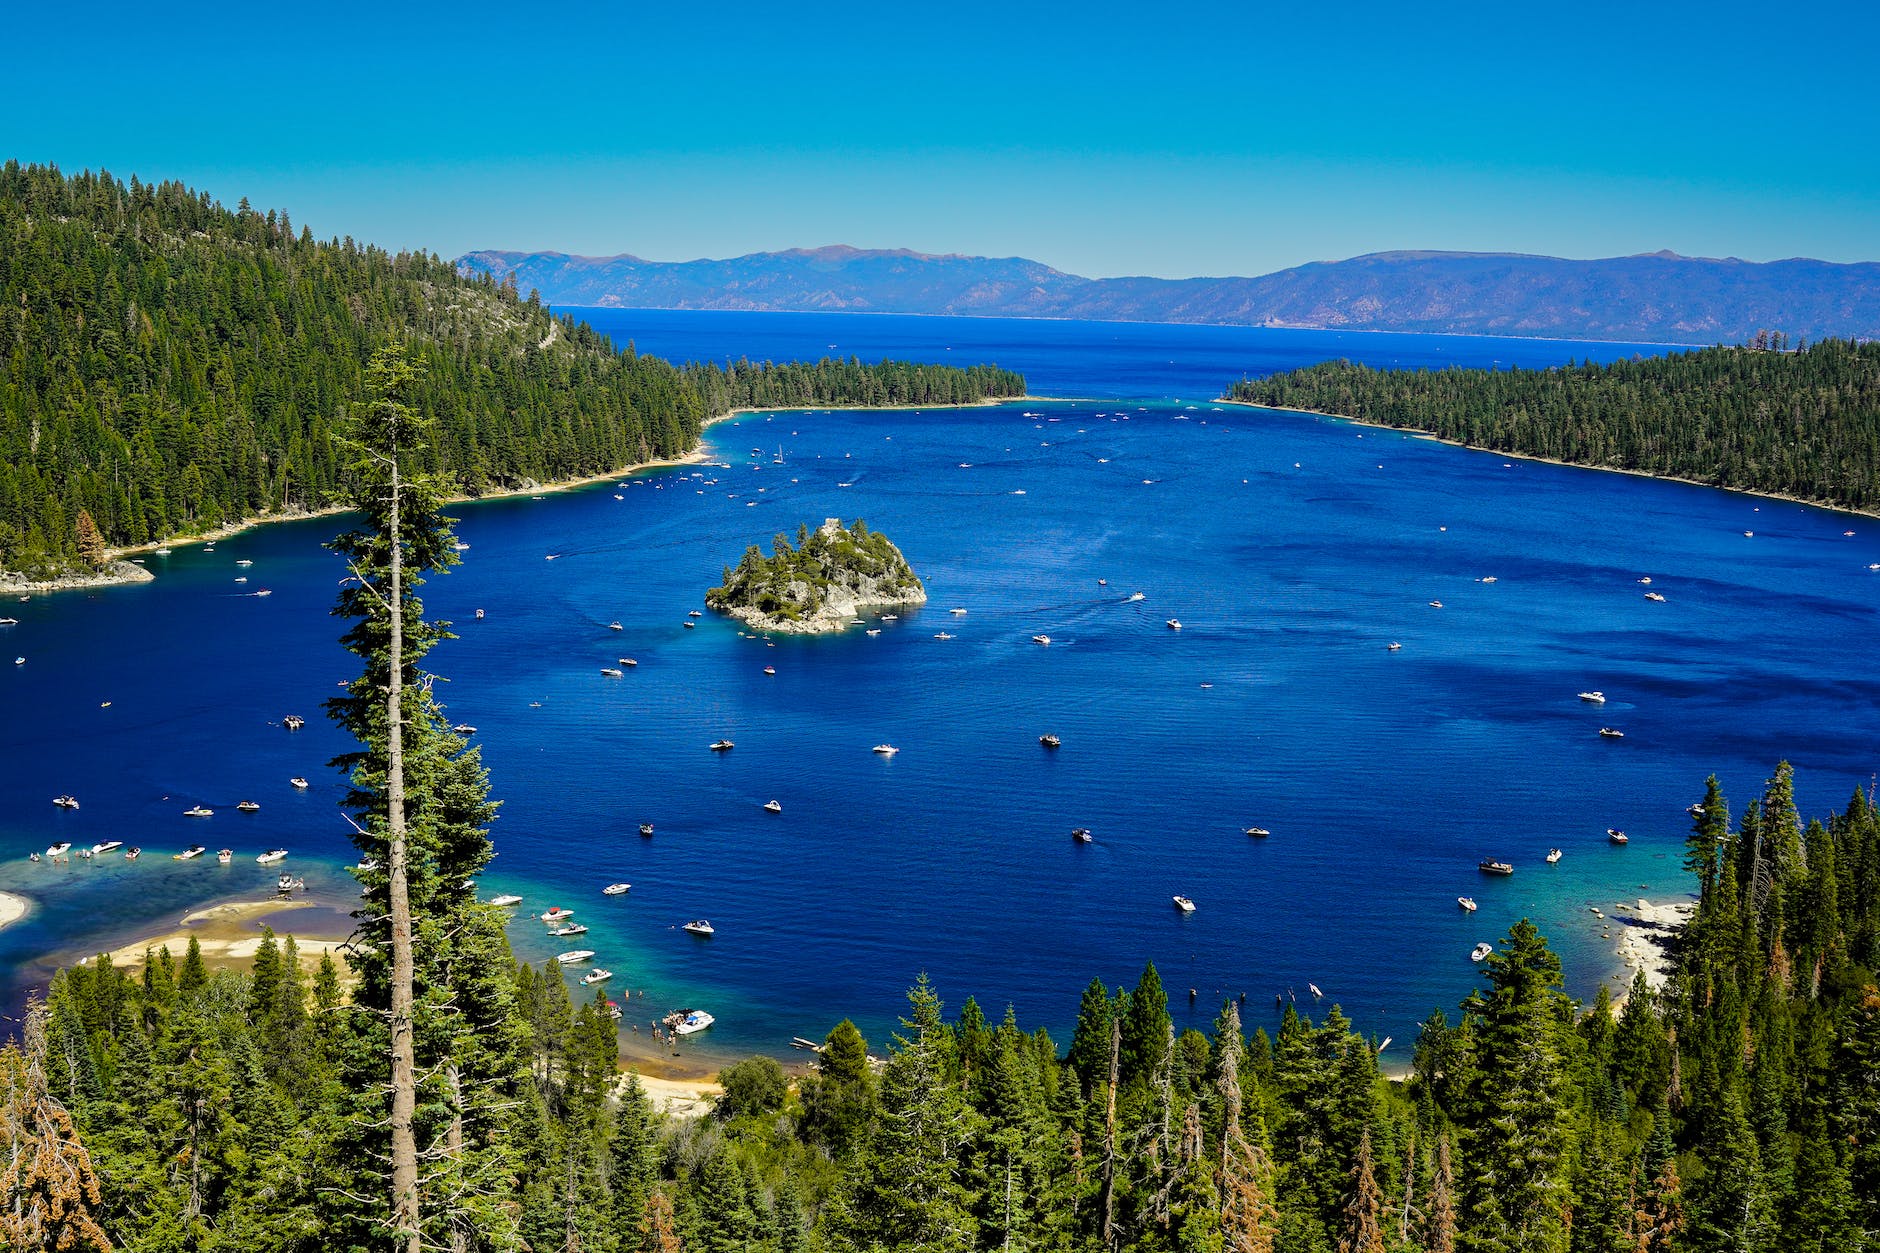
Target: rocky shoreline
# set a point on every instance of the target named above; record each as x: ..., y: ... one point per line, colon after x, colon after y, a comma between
x: 114, y: 574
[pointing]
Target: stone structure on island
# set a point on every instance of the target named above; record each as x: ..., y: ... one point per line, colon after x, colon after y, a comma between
x: 820, y: 585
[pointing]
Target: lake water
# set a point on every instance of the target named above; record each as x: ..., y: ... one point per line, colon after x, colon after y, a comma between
x: 1292, y: 549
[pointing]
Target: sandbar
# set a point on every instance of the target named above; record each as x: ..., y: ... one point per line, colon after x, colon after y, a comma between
x: 13, y: 907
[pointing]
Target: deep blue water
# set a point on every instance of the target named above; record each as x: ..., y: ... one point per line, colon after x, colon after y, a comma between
x: 1292, y: 549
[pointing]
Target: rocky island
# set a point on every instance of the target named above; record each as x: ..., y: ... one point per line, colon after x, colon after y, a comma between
x: 821, y: 584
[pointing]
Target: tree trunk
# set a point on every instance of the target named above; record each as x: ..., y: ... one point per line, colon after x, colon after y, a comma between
x: 404, y: 1060
x: 1107, y: 1198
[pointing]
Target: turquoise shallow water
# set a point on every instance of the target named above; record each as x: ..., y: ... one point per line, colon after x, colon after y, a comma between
x: 1292, y: 549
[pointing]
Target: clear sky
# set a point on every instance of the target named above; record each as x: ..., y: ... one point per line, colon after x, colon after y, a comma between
x: 1102, y: 138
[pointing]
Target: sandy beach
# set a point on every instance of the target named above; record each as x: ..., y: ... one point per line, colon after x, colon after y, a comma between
x: 13, y: 907
x: 229, y: 934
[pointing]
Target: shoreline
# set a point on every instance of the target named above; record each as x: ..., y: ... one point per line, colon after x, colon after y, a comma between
x: 119, y: 557
x: 1555, y: 461
x: 13, y: 907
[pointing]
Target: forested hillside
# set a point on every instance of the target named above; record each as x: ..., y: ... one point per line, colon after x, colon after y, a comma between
x: 1803, y: 424
x: 1739, y: 1110
x: 169, y: 365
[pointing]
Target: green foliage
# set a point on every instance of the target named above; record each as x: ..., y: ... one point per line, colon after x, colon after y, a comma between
x: 796, y: 581
x: 168, y: 365
x: 753, y: 1086
x: 1803, y: 424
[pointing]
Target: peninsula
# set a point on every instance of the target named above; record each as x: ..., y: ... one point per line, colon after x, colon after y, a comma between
x: 820, y: 585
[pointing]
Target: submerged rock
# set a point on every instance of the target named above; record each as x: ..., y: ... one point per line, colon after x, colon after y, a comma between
x: 820, y: 585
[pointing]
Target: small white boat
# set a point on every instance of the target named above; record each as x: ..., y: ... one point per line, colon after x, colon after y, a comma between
x: 248, y: 807
x: 60, y: 849
x: 1467, y: 903
x: 556, y: 913
x: 1612, y: 733
x: 1393, y: 646
x: 1593, y: 698
x: 244, y: 562
x: 958, y: 613
x: 133, y: 853
x: 1081, y: 835
x: 298, y: 783
x: 464, y: 728
x: 874, y: 630
x: 293, y: 722
x: 16, y: 621
x: 1184, y: 904
x: 890, y: 617
x: 597, y: 975
x: 574, y: 957
x: 1315, y: 990
x: 1655, y: 596
x: 1174, y: 624
x: 688, y: 624
x: 225, y: 856
x: 163, y: 552
x: 1748, y: 534
x: 615, y: 626
x: 886, y: 750
x: 1258, y: 833
x: 1616, y: 836
x: 944, y: 635
x: 1041, y: 639
x: 109, y: 846
x: 1049, y: 740
x: 613, y: 673
x: 694, y: 1020
x: 616, y: 889
x: 1480, y: 951
x: 1646, y: 579
x: 1553, y: 855
x: 770, y: 670
x: 573, y: 928
x: 1436, y: 604
x: 199, y: 811
x: 189, y: 854
x: 628, y: 662
x: 272, y: 855
x: 699, y: 926
x: 65, y: 802
x: 241, y: 578
x: 479, y: 615
x: 505, y: 900
x: 773, y: 807
x: 1136, y: 596
x: 1489, y: 578
x: 722, y: 746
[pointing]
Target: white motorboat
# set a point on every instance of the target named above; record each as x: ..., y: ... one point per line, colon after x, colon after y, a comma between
x: 1553, y: 855
x: 1393, y: 646
x: 109, y: 846
x: 1593, y: 698
x: 272, y: 855
x: 886, y: 750
x: 244, y: 563
x: 1612, y: 733
x: 65, y: 802
x: 573, y: 928
x: 773, y: 807
x: 699, y: 926
x: 60, y: 849
x: 597, y: 975
x: 1436, y: 604
x: 1617, y: 836
x: 1258, y: 833
x: 613, y: 672
x: 1184, y: 904
x: 1480, y: 951
x: 189, y: 854
x: 1646, y: 579
x: 770, y: 670
x: 1049, y: 740
x: 464, y: 728
x: 628, y: 662
x: 556, y: 913
x: 298, y: 783
x: 1041, y: 639
x: 616, y: 889
x: 958, y: 613
x: 1081, y: 835
x: 722, y: 746
x: 293, y: 722
x: 574, y: 957
x: 693, y: 1020
x: 248, y: 807
x: 1655, y: 596
x: 199, y: 811
x: 615, y: 626
x: 1174, y: 624
x: 1467, y: 903
x: 225, y: 856
x: 1137, y: 596
x: 509, y: 898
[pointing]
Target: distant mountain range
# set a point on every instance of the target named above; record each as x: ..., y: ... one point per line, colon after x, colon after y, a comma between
x: 1656, y: 297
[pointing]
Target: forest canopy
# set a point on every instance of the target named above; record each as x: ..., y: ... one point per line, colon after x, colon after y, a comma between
x: 169, y: 365
x: 1804, y: 424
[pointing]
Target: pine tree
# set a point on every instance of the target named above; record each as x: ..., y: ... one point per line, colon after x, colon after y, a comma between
x: 91, y: 547
x: 1364, y: 1228
x: 48, y: 1193
x: 1515, y: 1140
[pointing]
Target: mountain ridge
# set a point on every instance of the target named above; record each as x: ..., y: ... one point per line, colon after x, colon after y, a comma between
x: 1661, y: 296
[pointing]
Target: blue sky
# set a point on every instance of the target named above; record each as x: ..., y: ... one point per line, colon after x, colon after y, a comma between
x: 1101, y: 138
